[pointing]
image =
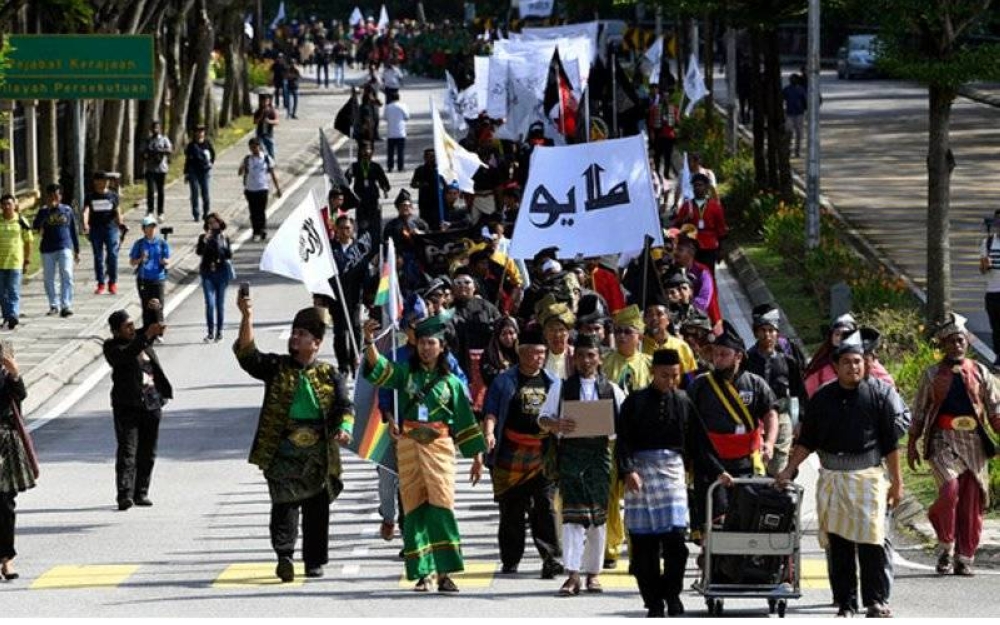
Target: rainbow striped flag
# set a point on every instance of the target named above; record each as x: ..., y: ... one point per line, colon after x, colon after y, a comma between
x: 371, y: 440
x: 388, y: 294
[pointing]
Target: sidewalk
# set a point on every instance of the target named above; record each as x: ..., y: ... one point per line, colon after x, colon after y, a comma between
x: 51, y: 351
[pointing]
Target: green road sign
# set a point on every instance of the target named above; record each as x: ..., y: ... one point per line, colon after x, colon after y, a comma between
x: 79, y: 67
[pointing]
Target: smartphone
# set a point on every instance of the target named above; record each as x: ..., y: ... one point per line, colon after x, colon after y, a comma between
x: 244, y: 290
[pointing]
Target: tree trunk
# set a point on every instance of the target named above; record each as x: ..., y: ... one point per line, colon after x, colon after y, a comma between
x: 48, y: 148
x: 759, y: 118
x: 110, y: 134
x: 126, y: 153
x: 709, y: 64
x: 777, y: 130
x: 939, y: 203
x: 202, y: 57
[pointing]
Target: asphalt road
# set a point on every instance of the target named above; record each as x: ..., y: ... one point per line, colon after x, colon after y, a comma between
x: 203, y: 548
x: 873, y: 135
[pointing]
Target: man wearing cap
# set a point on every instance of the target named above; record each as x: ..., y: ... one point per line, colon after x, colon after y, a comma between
x: 739, y: 411
x: 852, y: 427
x: 582, y: 466
x: 955, y: 400
x: 150, y: 256
x: 353, y: 271
x: 556, y: 321
x: 498, y: 275
x: 102, y: 224
x: 199, y: 157
x: 705, y: 213
x: 657, y: 336
x: 784, y: 376
x: 659, y: 434
x: 434, y: 418
x: 404, y: 225
x: 515, y: 443
x: 55, y: 223
x: 696, y: 331
x: 368, y: 179
x: 677, y: 285
x: 429, y: 185
x: 631, y: 369
x: 156, y: 156
x: 305, y: 416
x: 139, y: 389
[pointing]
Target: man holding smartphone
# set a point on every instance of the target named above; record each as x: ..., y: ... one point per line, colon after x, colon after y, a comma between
x: 306, y: 415
x: 139, y: 390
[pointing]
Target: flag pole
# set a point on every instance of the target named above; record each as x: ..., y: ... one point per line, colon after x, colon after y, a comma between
x: 614, y: 96
x: 347, y: 315
x: 645, y: 270
x: 586, y: 113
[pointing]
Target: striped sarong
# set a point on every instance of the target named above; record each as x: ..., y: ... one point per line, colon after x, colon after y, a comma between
x: 661, y: 505
x: 852, y: 505
x: 518, y: 461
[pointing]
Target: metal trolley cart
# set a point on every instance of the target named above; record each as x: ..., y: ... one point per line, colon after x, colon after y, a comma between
x: 785, y: 545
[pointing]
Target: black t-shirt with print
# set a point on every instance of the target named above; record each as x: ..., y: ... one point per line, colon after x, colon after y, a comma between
x: 525, y: 406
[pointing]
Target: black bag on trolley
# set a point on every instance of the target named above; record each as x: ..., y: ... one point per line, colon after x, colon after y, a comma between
x: 756, y: 508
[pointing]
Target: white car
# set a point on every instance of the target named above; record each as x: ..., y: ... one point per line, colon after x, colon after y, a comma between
x: 857, y: 57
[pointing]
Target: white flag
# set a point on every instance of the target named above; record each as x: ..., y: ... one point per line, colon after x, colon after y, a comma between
x: 300, y: 249
x: 590, y: 199
x: 454, y: 163
x: 356, y: 17
x: 536, y: 8
x: 383, y: 20
x: 694, y: 85
x: 279, y: 17
x: 655, y: 52
x: 687, y: 190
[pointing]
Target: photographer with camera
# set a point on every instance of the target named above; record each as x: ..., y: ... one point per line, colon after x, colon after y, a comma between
x: 139, y: 390
x: 150, y: 256
x: 216, y: 269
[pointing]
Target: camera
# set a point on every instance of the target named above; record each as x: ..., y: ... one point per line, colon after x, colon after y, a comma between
x: 166, y: 231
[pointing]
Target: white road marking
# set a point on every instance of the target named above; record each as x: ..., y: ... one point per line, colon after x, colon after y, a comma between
x: 175, y: 301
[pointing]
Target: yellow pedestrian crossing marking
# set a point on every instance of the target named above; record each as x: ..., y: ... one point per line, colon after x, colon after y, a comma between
x: 475, y: 575
x: 244, y: 574
x: 814, y: 573
x: 86, y: 576
x: 617, y: 578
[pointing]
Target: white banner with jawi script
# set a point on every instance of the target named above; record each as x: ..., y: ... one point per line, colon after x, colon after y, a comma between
x: 587, y: 199
x: 536, y: 8
x: 300, y: 249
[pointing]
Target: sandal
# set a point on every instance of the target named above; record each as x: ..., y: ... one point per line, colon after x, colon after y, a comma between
x: 445, y: 584
x: 570, y: 588
x: 594, y: 585
x: 878, y: 610
x: 423, y: 585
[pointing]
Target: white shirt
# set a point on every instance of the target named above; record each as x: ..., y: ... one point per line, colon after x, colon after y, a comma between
x: 391, y: 78
x: 258, y: 176
x: 993, y: 273
x: 396, y: 115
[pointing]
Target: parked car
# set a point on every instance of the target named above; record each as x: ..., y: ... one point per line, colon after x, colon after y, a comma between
x: 857, y: 57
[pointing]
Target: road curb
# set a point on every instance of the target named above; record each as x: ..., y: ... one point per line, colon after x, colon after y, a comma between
x: 64, y: 365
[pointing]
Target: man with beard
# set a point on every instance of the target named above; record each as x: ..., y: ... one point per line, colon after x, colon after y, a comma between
x: 740, y: 414
x: 678, y: 289
x: 306, y: 414
x: 956, y: 398
x: 514, y: 443
x: 852, y: 425
x: 659, y: 434
x: 583, y: 466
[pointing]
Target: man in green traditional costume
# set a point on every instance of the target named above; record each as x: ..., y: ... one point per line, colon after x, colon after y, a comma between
x: 307, y: 413
x: 434, y: 417
x: 583, y: 466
